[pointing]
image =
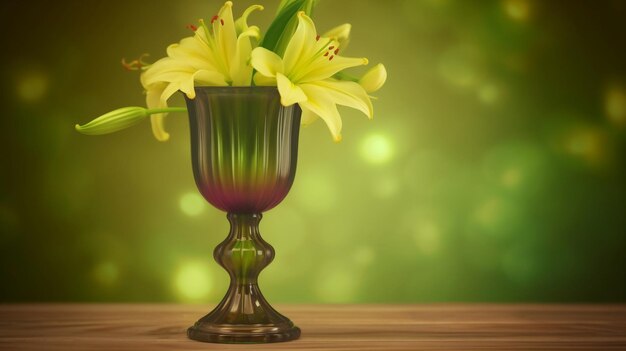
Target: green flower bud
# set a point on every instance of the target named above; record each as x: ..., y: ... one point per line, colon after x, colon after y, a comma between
x: 113, y: 121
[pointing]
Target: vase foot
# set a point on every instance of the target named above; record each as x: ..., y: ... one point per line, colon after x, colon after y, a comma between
x: 244, y: 315
x: 242, y: 334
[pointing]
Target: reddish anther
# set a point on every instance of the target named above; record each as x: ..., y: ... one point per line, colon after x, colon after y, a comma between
x: 331, y: 47
x: 192, y: 27
x: 317, y: 38
x: 326, y: 54
x: 214, y: 18
x: 336, y: 51
x: 131, y: 66
x: 222, y: 21
x: 331, y: 58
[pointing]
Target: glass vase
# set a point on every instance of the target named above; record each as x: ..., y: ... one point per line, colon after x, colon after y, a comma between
x: 244, y: 147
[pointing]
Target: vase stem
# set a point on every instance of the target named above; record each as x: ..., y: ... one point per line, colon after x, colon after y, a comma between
x: 244, y: 253
x: 244, y: 315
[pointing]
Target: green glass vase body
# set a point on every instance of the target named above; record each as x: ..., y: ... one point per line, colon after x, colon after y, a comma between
x: 244, y: 147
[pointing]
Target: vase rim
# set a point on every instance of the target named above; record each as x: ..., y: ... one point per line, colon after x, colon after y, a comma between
x: 230, y: 88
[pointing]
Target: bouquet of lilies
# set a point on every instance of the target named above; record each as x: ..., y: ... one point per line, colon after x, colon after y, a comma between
x: 305, y: 66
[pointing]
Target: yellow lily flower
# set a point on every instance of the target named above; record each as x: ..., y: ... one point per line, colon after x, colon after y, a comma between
x: 217, y: 57
x: 304, y: 76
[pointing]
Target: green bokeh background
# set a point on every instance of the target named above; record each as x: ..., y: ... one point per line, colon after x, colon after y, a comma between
x: 492, y: 171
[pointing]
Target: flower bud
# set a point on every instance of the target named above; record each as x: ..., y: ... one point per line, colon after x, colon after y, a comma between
x: 374, y: 78
x: 113, y: 121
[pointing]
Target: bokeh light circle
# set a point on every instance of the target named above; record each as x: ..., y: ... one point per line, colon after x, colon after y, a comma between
x: 32, y: 86
x: 192, y: 204
x: 377, y: 149
x: 193, y: 281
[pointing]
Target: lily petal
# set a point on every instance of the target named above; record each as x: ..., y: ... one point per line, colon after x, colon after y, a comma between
x: 374, y: 79
x: 321, y: 103
x: 326, y: 68
x: 241, y: 24
x: 241, y: 71
x: 266, y: 62
x: 153, y: 95
x: 153, y: 100
x: 289, y: 92
x: 194, y: 51
x: 157, y: 119
x: 165, y: 70
x: 262, y: 80
x: 346, y: 93
x: 225, y: 33
x: 308, y: 117
x: 204, y: 77
x: 340, y: 33
x: 301, y: 43
x: 201, y: 77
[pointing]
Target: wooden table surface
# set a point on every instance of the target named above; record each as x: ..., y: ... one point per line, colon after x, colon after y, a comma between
x: 136, y: 327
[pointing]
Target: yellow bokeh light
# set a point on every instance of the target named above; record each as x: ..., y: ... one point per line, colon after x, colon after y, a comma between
x: 488, y: 94
x: 193, y: 281
x: 518, y: 10
x: 192, y: 203
x: 32, y: 86
x: 377, y: 149
x: 511, y: 177
x: 588, y: 143
x: 615, y: 105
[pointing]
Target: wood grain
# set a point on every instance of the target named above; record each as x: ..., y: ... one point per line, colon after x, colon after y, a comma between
x: 67, y: 327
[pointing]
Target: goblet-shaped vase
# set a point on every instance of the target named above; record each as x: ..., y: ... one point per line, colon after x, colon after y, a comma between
x: 244, y: 147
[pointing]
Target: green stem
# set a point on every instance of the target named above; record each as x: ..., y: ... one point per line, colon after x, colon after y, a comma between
x: 346, y: 76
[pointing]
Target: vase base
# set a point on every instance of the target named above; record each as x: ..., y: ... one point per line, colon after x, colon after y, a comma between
x: 250, y: 334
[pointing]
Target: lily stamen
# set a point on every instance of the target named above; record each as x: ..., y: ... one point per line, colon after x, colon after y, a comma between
x: 192, y: 27
x: 129, y: 66
x: 136, y: 65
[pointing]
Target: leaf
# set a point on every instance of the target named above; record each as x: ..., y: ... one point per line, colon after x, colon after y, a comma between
x: 290, y: 28
x: 282, y: 5
x: 278, y: 27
